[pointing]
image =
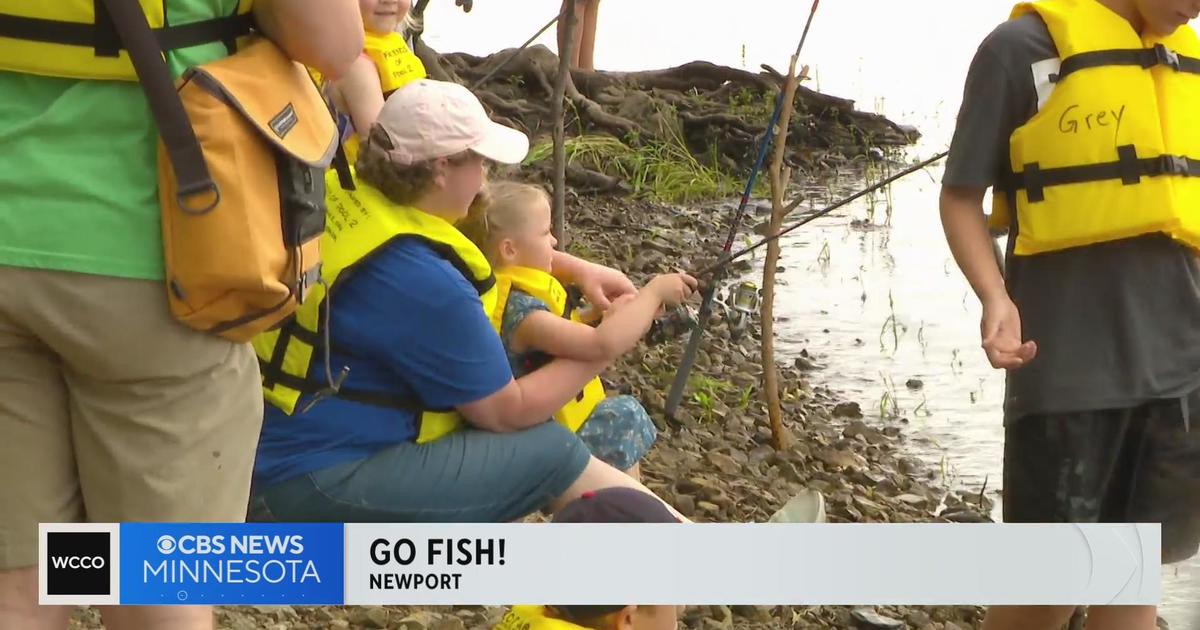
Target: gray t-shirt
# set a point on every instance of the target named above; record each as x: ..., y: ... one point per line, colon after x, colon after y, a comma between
x: 1116, y: 324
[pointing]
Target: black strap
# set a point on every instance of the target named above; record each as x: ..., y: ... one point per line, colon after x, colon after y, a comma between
x: 191, y: 172
x: 1159, y: 55
x: 341, y: 164
x: 316, y: 339
x: 574, y: 299
x: 273, y: 374
x: 387, y: 400
x: 274, y: 367
x: 451, y: 256
x: 105, y: 42
x: 102, y: 35
x: 308, y: 387
x: 1128, y: 168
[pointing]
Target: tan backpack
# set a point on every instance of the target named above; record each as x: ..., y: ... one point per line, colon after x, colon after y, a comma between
x: 244, y: 144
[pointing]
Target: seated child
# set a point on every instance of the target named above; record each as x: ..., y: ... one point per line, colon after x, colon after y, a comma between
x: 537, y: 322
x: 611, y: 505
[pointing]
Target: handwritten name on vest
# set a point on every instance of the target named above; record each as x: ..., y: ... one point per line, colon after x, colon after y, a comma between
x: 1070, y: 121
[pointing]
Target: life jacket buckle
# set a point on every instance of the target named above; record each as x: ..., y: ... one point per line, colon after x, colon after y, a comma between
x: 1166, y: 57
x: 1173, y: 165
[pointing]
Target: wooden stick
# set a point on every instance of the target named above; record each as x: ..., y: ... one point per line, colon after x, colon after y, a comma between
x: 779, y: 176
x: 558, y: 211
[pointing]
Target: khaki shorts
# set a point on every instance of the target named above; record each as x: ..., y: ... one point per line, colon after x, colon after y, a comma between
x: 111, y: 411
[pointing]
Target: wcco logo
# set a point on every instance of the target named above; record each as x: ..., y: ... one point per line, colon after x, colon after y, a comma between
x: 77, y: 563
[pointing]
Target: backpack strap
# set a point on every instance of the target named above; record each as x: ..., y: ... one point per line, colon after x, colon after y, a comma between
x: 191, y: 172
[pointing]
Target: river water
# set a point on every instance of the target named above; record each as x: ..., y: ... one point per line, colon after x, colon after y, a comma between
x: 871, y: 291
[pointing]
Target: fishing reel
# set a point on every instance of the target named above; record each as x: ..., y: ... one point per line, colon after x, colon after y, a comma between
x: 677, y: 322
x: 742, y: 300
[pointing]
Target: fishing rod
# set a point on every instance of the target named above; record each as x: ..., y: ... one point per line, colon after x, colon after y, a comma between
x: 679, y: 320
x: 502, y: 64
x: 725, y: 260
x: 693, y: 345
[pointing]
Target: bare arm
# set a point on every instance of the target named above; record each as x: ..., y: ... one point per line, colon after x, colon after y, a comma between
x: 617, y: 334
x: 323, y: 34
x: 966, y: 230
x: 967, y: 233
x: 567, y: 267
x: 359, y: 89
x: 600, y: 284
x: 533, y: 398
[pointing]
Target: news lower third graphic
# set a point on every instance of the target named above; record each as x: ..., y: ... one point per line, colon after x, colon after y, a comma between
x: 402, y: 553
x: 499, y: 564
x: 194, y: 563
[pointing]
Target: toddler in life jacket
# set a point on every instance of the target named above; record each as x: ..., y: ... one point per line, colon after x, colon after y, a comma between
x: 386, y: 65
x: 610, y: 505
x: 538, y: 320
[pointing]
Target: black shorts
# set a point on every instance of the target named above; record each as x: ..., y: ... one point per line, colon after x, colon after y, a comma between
x: 1139, y: 465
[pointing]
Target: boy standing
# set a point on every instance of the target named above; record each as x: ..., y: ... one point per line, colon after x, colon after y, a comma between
x: 1078, y: 113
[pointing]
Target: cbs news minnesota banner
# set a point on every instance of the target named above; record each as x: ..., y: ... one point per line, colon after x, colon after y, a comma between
x: 498, y: 564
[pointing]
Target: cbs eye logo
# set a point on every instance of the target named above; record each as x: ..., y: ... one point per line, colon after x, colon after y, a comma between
x: 166, y: 544
x: 77, y: 563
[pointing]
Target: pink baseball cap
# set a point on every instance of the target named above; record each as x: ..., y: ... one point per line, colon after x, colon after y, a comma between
x: 429, y: 119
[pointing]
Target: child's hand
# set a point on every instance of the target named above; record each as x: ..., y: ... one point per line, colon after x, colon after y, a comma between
x: 672, y: 288
x: 619, y: 303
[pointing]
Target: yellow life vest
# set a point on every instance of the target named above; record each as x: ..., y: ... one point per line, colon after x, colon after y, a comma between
x: 359, y: 222
x: 1113, y: 151
x: 61, y: 38
x: 546, y: 288
x: 396, y: 64
x: 533, y: 618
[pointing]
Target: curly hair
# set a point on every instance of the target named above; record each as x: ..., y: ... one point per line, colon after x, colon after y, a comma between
x: 402, y: 184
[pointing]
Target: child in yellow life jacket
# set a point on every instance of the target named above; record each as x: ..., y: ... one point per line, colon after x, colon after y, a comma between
x: 610, y: 505
x: 386, y: 64
x: 537, y: 321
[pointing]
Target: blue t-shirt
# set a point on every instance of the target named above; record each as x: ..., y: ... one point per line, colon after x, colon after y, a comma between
x: 414, y: 326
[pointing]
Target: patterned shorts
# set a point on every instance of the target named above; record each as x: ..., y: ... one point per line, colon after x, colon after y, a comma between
x: 619, y: 432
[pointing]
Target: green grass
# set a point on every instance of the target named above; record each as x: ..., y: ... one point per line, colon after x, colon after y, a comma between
x: 660, y: 170
x: 745, y: 397
x: 706, y: 391
x: 751, y: 104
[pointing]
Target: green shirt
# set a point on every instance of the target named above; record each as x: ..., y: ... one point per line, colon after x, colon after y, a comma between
x: 78, y: 167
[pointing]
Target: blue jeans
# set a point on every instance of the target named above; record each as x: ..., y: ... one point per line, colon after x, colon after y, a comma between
x: 470, y: 476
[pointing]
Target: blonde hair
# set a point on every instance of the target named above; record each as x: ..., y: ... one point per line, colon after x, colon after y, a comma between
x: 506, y: 213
